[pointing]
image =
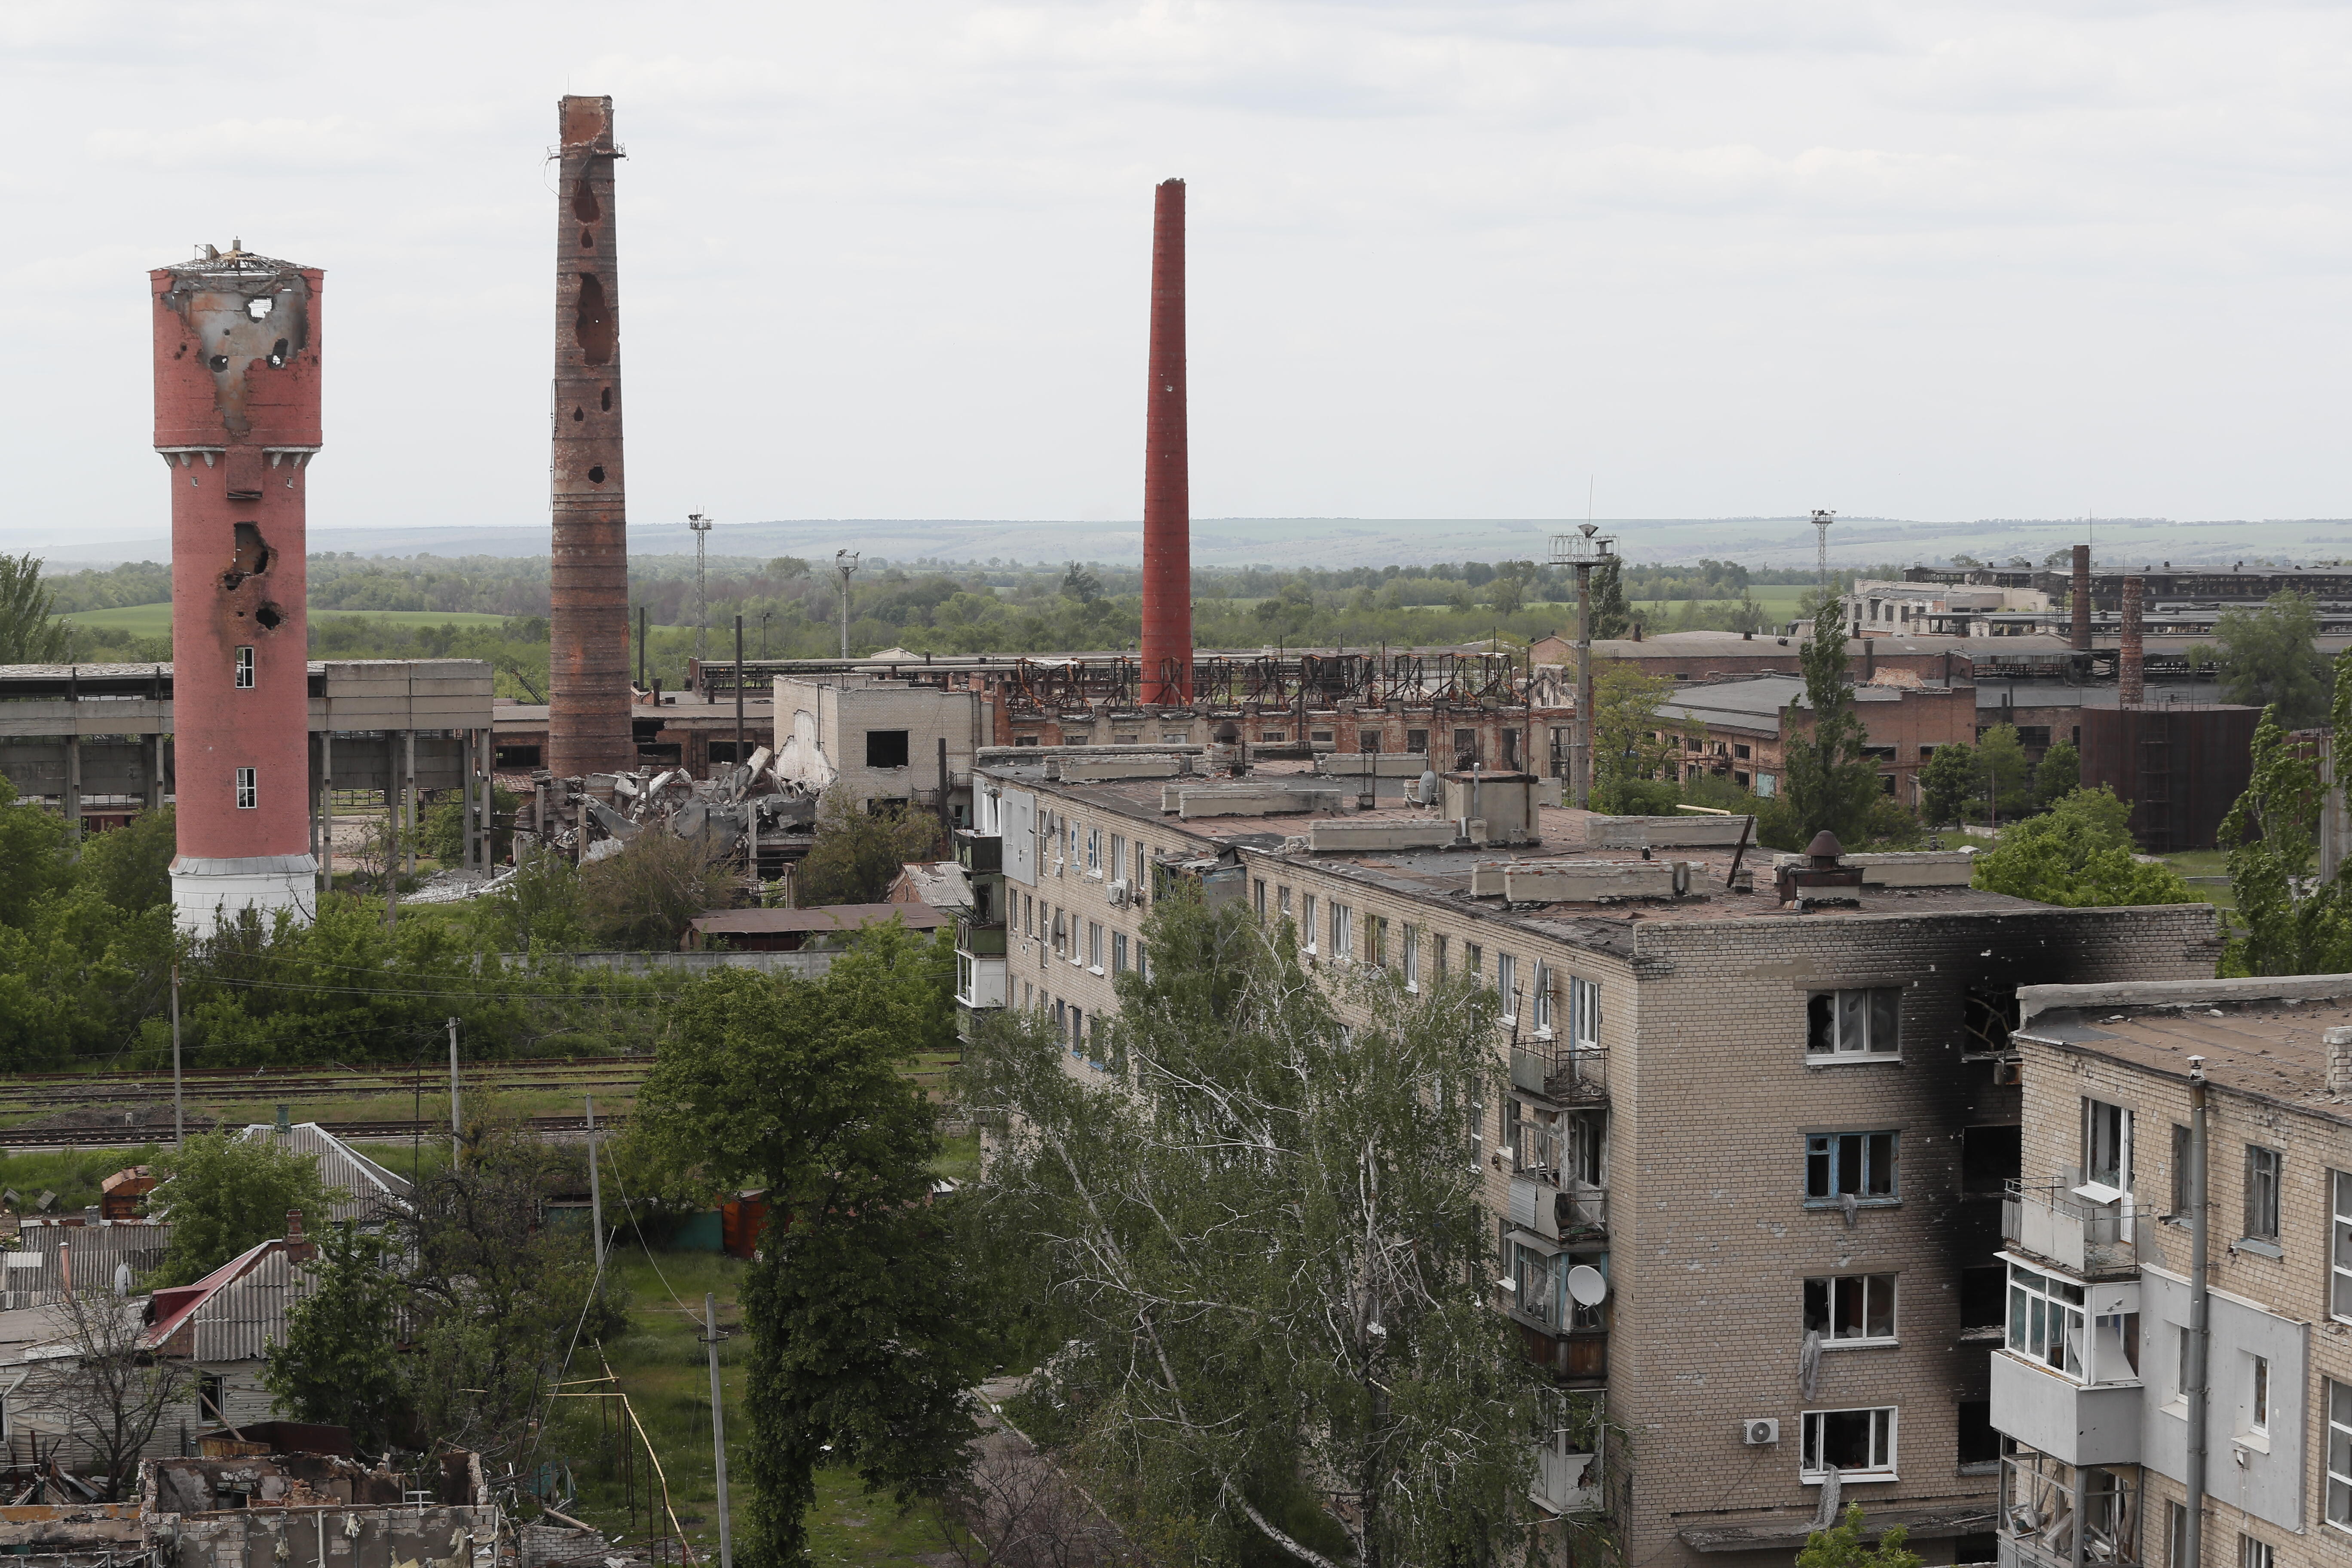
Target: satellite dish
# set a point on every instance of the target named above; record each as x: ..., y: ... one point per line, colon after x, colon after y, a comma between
x: 1586, y: 1287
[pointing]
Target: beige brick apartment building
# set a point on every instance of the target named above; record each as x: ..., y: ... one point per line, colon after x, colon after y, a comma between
x: 1779, y: 1131
x: 2090, y: 1386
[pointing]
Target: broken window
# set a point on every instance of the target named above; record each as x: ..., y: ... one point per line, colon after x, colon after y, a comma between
x: 1990, y: 1158
x: 2106, y: 1144
x: 245, y: 669
x: 212, y: 1404
x: 2262, y: 1193
x: 1848, y: 1441
x: 1990, y: 1014
x: 1854, y: 1022
x: 1983, y: 1290
x: 2046, y: 1319
x: 1859, y: 1166
x: 886, y: 748
x: 1416, y: 740
x: 249, y: 794
x: 1843, y: 1306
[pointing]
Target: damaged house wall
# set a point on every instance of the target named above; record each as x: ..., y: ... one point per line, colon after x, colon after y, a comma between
x: 316, y: 1511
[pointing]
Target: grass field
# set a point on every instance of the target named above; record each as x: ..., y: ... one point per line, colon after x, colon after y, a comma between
x: 155, y: 620
x: 1778, y: 599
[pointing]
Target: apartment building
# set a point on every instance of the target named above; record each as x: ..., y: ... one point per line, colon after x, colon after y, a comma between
x: 1752, y: 1125
x: 2091, y: 1384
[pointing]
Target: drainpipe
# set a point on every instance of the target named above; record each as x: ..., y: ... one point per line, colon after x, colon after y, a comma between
x: 2199, y: 1319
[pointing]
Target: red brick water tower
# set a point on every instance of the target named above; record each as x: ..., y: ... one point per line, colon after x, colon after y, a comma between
x: 236, y: 420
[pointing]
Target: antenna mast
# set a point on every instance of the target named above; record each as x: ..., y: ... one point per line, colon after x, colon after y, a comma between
x: 701, y: 526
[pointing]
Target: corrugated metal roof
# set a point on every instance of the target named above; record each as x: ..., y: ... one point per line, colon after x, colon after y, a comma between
x: 236, y: 1312
x: 33, y: 1274
x: 370, y: 1189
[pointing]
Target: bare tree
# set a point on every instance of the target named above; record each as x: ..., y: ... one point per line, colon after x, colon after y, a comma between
x: 104, y: 1382
x: 1016, y: 1510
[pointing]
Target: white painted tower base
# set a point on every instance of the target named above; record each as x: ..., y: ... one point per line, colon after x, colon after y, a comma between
x: 206, y: 891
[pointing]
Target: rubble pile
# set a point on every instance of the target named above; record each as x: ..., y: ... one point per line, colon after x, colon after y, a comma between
x: 597, y: 815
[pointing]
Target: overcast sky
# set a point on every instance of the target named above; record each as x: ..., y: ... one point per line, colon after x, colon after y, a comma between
x: 1724, y: 256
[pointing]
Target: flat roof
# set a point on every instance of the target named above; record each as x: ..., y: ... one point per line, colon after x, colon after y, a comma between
x: 1445, y: 873
x: 824, y: 917
x: 2259, y: 1038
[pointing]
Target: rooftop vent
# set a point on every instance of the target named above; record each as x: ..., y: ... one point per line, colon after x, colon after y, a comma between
x: 1824, y: 880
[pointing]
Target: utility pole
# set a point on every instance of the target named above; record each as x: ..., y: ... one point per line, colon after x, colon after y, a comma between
x: 844, y: 562
x: 763, y: 632
x: 1585, y: 548
x: 740, y: 754
x: 595, y: 1186
x: 2198, y: 1375
x: 453, y: 1144
x: 718, y: 1429
x: 179, y: 1123
x: 701, y: 526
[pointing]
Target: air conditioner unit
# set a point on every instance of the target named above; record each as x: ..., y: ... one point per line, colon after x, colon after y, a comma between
x: 1759, y: 1432
x: 1118, y: 892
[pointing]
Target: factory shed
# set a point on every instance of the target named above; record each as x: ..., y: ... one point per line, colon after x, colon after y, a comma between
x: 789, y: 931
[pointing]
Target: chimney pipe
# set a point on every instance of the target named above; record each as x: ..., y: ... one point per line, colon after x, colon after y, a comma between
x: 1167, y: 468
x: 588, y: 726
x: 2131, y: 673
x: 2079, y: 599
x: 297, y: 1249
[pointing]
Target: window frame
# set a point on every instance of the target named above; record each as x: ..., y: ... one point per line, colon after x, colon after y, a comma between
x: 2042, y: 1317
x: 1539, y: 1007
x: 1506, y: 985
x: 1119, y: 958
x: 1832, y: 1197
x: 2335, y: 1454
x: 2339, y: 1251
x: 1866, y: 1289
x: 1306, y: 921
x: 2265, y: 1177
x: 1409, y: 953
x: 1094, y: 946
x: 1343, y: 928
x: 1883, y: 1439
x: 1875, y: 1009
x: 248, y: 789
x: 244, y: 667
x: 2104, y: 1121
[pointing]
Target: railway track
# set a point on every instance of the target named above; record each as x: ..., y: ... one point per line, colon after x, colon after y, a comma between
x: 139, y: 1137
x: 29, y: 1092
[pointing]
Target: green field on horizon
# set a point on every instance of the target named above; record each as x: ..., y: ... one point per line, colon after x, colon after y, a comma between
x: 155, y: 620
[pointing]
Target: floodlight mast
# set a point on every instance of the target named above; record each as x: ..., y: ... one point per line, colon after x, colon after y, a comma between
x: 1585, y: 548
x: 1821, y: 521
x: 701, y: 526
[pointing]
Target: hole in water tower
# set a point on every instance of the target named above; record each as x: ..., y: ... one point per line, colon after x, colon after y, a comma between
x: 270, y: 617
x: 577, y: 416
x: 278, y: 352
x: 219, y: 362
x: 596, y: 475
x: 258, y: 309
x: 253, y: 552
x: 608, y: 400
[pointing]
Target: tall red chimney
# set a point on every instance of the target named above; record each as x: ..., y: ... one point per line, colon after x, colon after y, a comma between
x: 2131, y: 671
x: 1166, y: 469
x: 588, y: 718
x: 2079, y: 600
x: 236, y: 419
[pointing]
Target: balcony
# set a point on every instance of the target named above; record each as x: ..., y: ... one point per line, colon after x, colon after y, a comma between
x: 1560, y: 1212
x: 979, y: 852
x: 1560, y: 1072
x: 2083, y: 1230
x: 1578, y: 1358
x: 981, y: 982
x: 979, y: 940
x: 1565, y: 1483
x: 2044, y: 1501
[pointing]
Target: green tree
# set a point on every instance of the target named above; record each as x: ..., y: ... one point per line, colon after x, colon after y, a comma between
x: 2269, y: 659
x: 1329, y: 1381
x: 1627, y: 754
x: 857, y: 853
x: 800, y: 1085
x: 541, y: 909
x: 644, y: 898
x: 2079, y: 853
x: 1081, y: 584
x: 1611, y: 617
x: 1841, y: 1546
x: 2060, y: 773
x: 34, y: 862
x: 2288, y: 921
x: 130, y: 868
x: 442, y: 834
x: 1949, y: 782
x: 339, y: 1361
x: 29, y: 634
x: 224, y: 1194
x: 2002, y: 774
x: 1832, y: 783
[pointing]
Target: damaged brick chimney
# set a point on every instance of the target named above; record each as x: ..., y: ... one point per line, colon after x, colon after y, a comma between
x: 588, y: 718
x: 2078, y: 598
x: 236, y: 421
x: 1166, y: 469
x: 2131, y: 665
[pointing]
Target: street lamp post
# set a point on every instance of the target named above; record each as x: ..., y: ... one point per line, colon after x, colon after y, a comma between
x: 701, y: 526
x: 1584, y: 550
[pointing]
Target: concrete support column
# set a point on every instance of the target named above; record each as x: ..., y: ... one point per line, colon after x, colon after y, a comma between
x: 326, y: 811
x: 73, y: 788
x: 408, y: 797
x: 154, y: 749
